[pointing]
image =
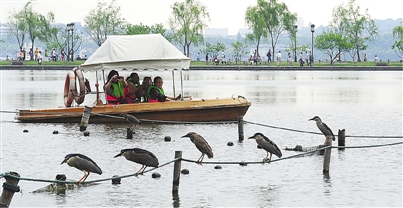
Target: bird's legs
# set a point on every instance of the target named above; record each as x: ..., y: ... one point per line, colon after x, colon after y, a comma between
x: 82, y: 179
x: 139, y: 171
x: 267, y: 155
x: 264, y: 159
x: 199, y: 161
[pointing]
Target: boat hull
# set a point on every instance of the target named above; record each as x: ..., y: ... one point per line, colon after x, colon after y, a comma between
x: 203, y: 110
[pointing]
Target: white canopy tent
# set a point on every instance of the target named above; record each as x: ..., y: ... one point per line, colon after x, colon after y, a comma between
x: 136, y: 52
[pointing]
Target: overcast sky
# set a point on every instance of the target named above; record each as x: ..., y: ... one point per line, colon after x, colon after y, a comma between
x: 223, y: 13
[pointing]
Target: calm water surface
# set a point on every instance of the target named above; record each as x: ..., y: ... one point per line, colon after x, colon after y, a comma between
x: 363, y: 103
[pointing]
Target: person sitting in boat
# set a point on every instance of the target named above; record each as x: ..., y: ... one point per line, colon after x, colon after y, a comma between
x: 114, y: 88
x: 142, y: 92
x: 156, y: 92
x: 130, y: 91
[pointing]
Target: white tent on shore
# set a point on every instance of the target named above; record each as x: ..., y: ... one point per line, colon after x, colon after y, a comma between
x: 136, y: 52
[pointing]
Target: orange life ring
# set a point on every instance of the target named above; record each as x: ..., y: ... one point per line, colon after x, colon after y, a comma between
x: 69, y: 88
x: 79, y: 98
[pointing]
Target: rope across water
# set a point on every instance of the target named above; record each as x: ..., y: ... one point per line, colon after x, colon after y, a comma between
x: 193, y: 161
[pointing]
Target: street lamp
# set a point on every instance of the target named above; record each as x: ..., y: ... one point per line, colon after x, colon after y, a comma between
x: 312, y: 30
x: 68, y: 45
x: 295, y: 42
x: 70, y: 27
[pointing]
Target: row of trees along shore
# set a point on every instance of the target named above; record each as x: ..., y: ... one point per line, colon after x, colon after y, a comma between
x: 348, y: 32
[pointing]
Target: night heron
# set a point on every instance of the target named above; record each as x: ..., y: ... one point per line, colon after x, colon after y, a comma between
x: 323, y: 127
x: 267, y: 145
x: 130, y: 118
x: 140, y: 156
x: 201, y: 145
x: 82, y: 163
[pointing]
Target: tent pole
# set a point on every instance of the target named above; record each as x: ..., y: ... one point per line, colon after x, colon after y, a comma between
x: 173, y: 82
x: 103, y: 77
x: 182, y: 86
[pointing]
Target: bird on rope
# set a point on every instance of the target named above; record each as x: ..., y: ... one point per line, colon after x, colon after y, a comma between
x: 83, y: 163
x: 141, y: 156
x: 201, y: 145
x: 323, y: 128
x: 267, y: 145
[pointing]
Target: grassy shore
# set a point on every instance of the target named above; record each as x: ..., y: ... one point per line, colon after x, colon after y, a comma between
x: 202, y: 63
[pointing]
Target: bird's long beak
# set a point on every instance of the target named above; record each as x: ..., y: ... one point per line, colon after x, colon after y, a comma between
x: 251, y: 137
x: 65, y: 160
x: 310, y: 119
x: 118, y: 155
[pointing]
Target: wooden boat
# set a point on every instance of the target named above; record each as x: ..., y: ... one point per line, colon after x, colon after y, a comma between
x: 136, y: 52
x: 202, y: 110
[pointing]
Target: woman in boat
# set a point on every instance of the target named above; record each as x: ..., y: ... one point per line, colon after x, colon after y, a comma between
x: 132, y: 88
x: 156, y: 92
x: 114, y: 88
x: 142, y: 92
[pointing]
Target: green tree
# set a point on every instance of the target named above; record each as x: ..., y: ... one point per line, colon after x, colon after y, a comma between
x: 277, y: 19
x: 145, y: 29
x: 104, y: 20
x: 239, y: 49
x: 28, y: 22
x: 357, y: 27
x: 398, y: 36
x: 213, y: 50
x: 254, y: 20
x: 17, y: 26
x: 332, y: 44
x: 187, y: 22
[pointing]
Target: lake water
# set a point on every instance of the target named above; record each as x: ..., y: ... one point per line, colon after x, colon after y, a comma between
x: 363, y: 103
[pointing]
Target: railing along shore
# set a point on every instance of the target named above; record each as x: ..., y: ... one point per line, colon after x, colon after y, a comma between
x: 232, y: 68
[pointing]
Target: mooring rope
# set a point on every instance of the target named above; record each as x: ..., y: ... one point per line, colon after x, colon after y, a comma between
x: 193, y: 161
x: 74, y: 182
x: 213, y: 122
x: 310, y: 132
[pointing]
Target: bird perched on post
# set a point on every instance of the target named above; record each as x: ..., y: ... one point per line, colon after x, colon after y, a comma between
x: 82, y: 163
x: 267, y: 145
x: 201, y: 145
x: 323, y: 128
x: 140, y: 156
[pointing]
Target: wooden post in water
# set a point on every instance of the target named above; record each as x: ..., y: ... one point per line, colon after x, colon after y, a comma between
x: 328, y: 151
x: 129, y: 133
x: 341, y: 139
x: 240, y: 128
x: 9, y: 188
x: 85, y: 118
x: 177, y: 172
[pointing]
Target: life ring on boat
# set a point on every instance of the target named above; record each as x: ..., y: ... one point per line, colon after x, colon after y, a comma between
x: 79, y: 98
x: 69, y: 88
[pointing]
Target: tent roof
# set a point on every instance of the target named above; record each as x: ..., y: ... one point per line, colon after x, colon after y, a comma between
x: 136, y: 52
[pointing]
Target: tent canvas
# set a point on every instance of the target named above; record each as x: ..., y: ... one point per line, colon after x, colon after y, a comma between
x: 138, y: 52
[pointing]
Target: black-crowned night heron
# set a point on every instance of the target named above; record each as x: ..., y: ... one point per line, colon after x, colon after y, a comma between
x: 267, y: 145
x: 201, y: 145
x: 82, y: 163
x: 323, y: 128
x: 130, y: 118
x: 141, y: 156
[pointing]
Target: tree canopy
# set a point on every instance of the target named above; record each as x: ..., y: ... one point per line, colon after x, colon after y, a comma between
x: 187, y: 22
x: 357, y: 27
x: 104, y: 20
x: 270, y: 19
x: 398, y: 36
